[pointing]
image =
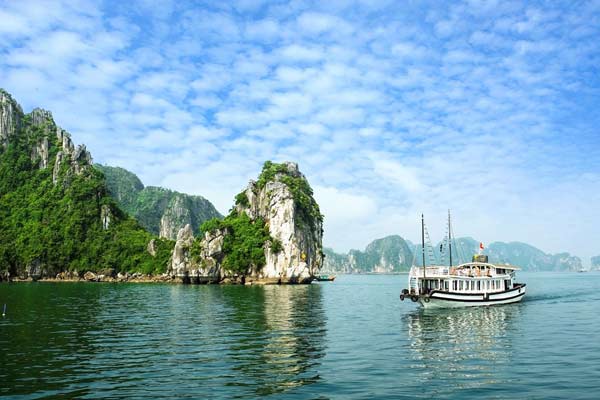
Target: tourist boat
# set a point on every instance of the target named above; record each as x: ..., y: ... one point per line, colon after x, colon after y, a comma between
x: 324, y: 278
x: 477, y: 283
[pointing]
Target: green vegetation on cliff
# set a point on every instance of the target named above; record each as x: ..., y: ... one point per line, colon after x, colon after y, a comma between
x: 67, y: 223
x: 161, y: 211
x: 244, y: 243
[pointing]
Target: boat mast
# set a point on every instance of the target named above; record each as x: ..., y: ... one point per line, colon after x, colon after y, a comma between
x: 423, y: 248
x: 450, y: 238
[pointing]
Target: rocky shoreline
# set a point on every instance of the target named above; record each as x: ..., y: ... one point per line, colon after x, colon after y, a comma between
x: 108, y: 277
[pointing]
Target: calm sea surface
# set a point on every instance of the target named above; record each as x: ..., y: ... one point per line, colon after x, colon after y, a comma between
x: 349, y: 339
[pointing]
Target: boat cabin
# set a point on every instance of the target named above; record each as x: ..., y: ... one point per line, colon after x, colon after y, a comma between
x: 473, y: 277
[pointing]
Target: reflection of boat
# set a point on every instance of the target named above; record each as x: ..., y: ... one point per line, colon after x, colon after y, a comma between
x: 478, y: 283
x: 324, y: 278
x: 462, y: 347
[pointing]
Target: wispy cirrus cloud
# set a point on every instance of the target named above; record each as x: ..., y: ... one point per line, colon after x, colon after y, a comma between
x: 487, y: 108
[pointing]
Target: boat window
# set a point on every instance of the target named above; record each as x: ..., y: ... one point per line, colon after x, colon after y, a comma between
x: 478, y: 285
x: 446, y: 285
x: 472, y: 285
x: 487, y: 285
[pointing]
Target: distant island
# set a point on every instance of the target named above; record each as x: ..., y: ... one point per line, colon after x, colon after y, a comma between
x: 395, y: 254
x: 64, y: 218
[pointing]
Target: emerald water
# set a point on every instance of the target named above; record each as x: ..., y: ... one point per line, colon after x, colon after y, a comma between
x: 349, y: 339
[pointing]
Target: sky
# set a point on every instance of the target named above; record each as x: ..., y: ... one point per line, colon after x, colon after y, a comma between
x: 390, y: 108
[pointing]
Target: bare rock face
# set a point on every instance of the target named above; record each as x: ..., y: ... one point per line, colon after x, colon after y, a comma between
x: 151, y: 248
x: 57, y: 164
x: 41, y: 152
x: 10, y: 118
x: 40, y: 117
x: 106, y: 216
x: 79, y: 160
x: 207, y: 268
x: 176, y: 215
x: 211, y: 256
x: 301, y: 254
x: 181, y: 262
x: 294, y: 253
x: 43, y: 121
x: 65, y: 140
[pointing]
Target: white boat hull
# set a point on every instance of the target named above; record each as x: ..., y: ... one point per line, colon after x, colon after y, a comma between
x: 438, y: 299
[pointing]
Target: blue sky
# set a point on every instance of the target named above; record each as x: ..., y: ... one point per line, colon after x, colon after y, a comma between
x: 390, y: 108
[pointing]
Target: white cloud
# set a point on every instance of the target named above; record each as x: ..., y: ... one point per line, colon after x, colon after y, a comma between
x: 315, y: 23
x: 266, y: 29
x: 301, y: 53
x: 389, y: 114
x: 398, y: 174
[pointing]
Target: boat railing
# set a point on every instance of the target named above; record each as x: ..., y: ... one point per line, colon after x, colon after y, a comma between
x: 436, y: 271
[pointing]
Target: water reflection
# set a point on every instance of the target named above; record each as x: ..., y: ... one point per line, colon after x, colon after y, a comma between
x: 94, y: 341
x: 279, y: 339
x: 461, y: 346
x: 43, y: 338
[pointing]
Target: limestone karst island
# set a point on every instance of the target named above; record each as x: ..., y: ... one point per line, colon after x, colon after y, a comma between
x: 64, y: 218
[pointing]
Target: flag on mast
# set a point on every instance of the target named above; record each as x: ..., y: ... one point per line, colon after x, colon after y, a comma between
x: 480, y: 246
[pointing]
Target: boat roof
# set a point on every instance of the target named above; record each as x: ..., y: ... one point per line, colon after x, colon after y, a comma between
x: 482, y: 264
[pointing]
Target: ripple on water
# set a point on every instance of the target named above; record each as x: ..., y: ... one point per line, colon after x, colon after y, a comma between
x: 349, y: 339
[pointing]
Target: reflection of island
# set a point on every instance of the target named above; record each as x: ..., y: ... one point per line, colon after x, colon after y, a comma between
x: 279, y: 336
x: 461, y: 346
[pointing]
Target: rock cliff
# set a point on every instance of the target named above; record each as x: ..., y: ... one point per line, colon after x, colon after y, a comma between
x: 55, y: 212
x: 38, y: 127
x: 175, y: 216
x: 10, y: 118
x: 161, y: 211
x: 385, y: 255
x: 272, y: 235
